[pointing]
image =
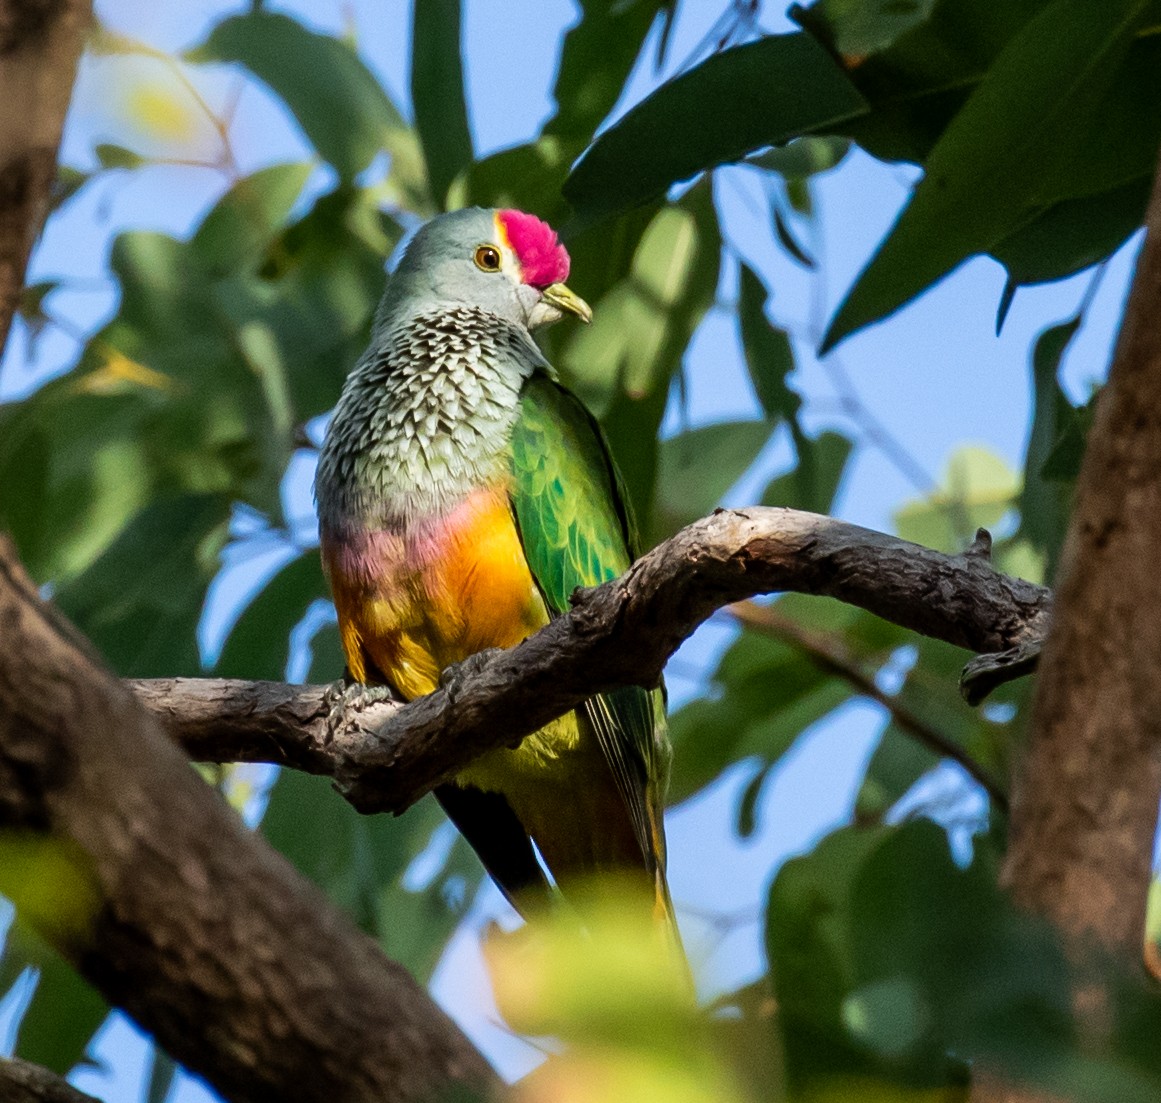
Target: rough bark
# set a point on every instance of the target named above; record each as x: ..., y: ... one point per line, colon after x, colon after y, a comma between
x: 40, y: 42
x: 177, y: 913
x: 22, y: 1082
x: 1085, y: 806
x: 389, y: 755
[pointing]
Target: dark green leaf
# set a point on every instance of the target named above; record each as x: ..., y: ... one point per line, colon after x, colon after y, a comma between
x: 916, y: 86
x: 68, y: 182
x: 1043, y: 503
x: 339, y: 104
x: 857, y: 28
x: 437, y: 92
x: 1063, y: 461
x: 803, y: 157
x: 788, y: 242
x: 769, y: 355
x: 141, y: 601
x: 765, y: 693
x: 162, y: 1071
x: 359, y: 862
x: 747, y: 819
x: 759, y: 94
x: 596, y: 58
x: 994, y: 164
x: 1071, y: 235
x: 899, y: 761
x: 327, y: 658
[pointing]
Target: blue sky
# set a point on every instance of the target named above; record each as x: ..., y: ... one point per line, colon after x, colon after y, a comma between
x: 934, y: 377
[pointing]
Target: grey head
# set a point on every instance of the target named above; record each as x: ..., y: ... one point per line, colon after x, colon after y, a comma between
x: 504, y: 262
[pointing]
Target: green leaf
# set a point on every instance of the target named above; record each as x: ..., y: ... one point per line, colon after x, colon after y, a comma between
x: 360, y: 861
x: 596, y: 58
x: 163, y: 1070
x: 767, y: 348
x: 111, y: 156
x: 1062, y: 464
x: 918, y: 84
x: 334, y: 97
x: 74, y: 471
x: 64, y: 1012
x: 141, y: 601
x: 857, y: 28
x: 258, y: 646
x: 762, y: 93
x: 327, y: 658
x: 764, y: 694
x: 1044, y: 504
x: 804, y: 157
x: 978, y: 489
x: 1073, y: 234
x: 68, y: 182
x: 995, y: 164
x: 814, y: 482
x: 697, y: 467
x: 437, y: 92
x: 241, y: 225
x: 893, y: 963
x: 660, y: 284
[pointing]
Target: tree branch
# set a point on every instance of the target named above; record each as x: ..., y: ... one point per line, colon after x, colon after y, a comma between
x: 621, y: 633
x: 177, y: 913
x: 22, y: 1082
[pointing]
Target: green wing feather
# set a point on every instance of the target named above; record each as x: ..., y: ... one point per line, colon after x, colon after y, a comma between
x: 577, y: 530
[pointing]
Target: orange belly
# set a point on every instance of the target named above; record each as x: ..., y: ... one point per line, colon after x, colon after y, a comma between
x: 412, y: 603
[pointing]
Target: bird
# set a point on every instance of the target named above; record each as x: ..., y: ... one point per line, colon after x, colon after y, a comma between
x: 463, y: 494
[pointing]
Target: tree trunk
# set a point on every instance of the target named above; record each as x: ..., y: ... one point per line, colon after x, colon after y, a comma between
x: 1085, y: 807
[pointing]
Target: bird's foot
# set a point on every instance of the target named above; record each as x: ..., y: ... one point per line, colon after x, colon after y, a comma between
x: 453, y: 679
x: 343, y: 698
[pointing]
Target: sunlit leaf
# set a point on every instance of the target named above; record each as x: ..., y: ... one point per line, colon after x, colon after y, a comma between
x: 977, y: 490
x: 335, y: 98
x: 623, y: 363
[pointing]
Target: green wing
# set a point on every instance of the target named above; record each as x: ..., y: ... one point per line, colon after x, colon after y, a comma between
x: 577, y: 530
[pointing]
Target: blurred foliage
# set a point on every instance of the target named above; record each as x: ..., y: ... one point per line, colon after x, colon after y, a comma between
x: 892, y: 964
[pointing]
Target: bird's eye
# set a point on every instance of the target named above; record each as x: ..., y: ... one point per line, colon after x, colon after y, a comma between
x: 488, y: 258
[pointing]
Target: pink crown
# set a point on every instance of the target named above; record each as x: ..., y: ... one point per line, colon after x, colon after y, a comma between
x: 542, y: 258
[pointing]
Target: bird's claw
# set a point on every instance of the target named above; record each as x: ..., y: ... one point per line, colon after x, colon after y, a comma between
x: 343, y: 698
x: 452, y: 678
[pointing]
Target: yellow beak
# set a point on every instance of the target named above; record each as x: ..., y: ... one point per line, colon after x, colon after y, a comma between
x: 558, y: 295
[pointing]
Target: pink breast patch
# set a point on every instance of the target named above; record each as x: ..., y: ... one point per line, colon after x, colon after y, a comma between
x: 542, y: 258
